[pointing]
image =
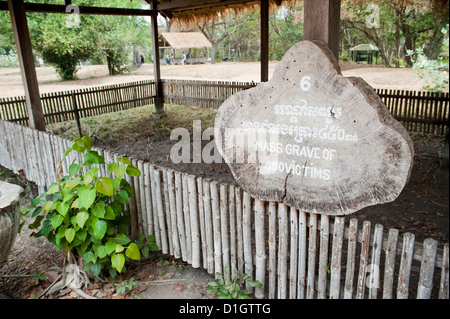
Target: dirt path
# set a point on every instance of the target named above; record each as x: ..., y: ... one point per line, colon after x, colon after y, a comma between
x: 97, y: 75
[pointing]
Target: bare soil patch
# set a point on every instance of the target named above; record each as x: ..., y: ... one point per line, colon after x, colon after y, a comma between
x: 97, y: 75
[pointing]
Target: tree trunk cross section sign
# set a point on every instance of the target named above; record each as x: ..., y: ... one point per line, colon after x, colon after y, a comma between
x: 314, y: 139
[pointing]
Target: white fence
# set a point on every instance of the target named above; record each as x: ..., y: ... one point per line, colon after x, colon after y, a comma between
x: 214, y: 226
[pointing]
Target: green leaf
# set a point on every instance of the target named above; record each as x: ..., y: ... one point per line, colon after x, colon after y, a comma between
x: 98, y: 209
x: 111, y: 167
x: 74, y: 169
x: 102, y: 252
x: 92, y: 157
x: 34, y: 212
x: 255, y: 284
x: 110, y: 213
x: 82, y: 217
x: 56, y: 220
x: 69, y: 234
x: 110, y: 247
x: 62, y: 208
x: 88, y: 256
x: 122, y: 197
x: 127, y: 187
x: 36, y: 201
x: 151, y: 239
x: 87, y: 142
x: 72, y: 183
x: 86, y: 197
x: 68, y: 197
x: 118, y: 170
x: 82, y: 234
x: 88, y: 179
x: 124, y: 160
x: 133, y: 252
x: 117, y: 261
x: 53, y: 188
x: 47, y: 206
x: 104, y: 186
x: 82, y: 144
x: 121, y: 239
x: 37, y: 222
x: 94, y: 267
x: 92, y: 172
x: 133, y: 171
x: 70, y: 149
x: 100, y: 229
x: 145, y: 250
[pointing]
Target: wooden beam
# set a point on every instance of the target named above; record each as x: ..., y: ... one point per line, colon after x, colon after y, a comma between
x: 264, y: 40
x: 26, y: 61
x: 159, y: 97
x: 322, y: 19
x: 55, y: 8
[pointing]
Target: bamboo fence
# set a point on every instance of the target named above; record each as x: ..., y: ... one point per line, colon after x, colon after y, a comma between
x: 418, y: 111
x: 214, y: 226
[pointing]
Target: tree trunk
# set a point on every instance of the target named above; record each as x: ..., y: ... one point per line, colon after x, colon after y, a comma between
x: 214, y: 53
x: 408, y: 44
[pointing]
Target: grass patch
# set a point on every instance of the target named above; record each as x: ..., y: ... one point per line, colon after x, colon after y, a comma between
x: 135, y: 124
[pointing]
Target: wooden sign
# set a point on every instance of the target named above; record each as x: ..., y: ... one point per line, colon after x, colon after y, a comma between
x: 314, y: 139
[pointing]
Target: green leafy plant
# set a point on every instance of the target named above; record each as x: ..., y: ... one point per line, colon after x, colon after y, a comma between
x: 125, y: 285
x: 38, y: 275
x: 83, y: 213
x: 434, y: 72
x: 225, y: 287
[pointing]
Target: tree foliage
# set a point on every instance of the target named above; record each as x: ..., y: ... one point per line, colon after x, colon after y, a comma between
x: 395, y: 27
x: 63, y: 40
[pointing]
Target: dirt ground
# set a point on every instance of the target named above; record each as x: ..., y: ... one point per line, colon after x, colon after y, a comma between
x: 97, y: 75
x: 422, y: 207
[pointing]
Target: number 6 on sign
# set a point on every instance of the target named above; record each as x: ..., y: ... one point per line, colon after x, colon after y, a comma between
x: 305, y: 84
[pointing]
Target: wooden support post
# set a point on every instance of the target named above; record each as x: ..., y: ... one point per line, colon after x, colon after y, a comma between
x: 27, y: 67
x: 264, y: 40
x: 159, y: 98
x: 322, y: 19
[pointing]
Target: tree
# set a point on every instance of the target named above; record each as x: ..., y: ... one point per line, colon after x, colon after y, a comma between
x: 286, y: 29
x: 382, y: 32
x: 434, y: 72
x: 63, y: 46
x: 219, y: 28
x: 108, y: 39
x: 397, y: 26
x: 117, y: 37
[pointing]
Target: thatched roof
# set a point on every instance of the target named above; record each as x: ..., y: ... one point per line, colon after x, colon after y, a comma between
x: 195, y: 10
x: 184, y: 40
x: 364, y: 47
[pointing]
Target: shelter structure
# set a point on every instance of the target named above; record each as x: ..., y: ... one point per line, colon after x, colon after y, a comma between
x: 322, y: 19
x: 176, y: 41
x: 364, y: 52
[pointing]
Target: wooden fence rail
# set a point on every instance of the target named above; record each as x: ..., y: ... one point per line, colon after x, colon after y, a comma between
x: 215, y: 226
x: 61, y: 106
x: 418, y: 111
